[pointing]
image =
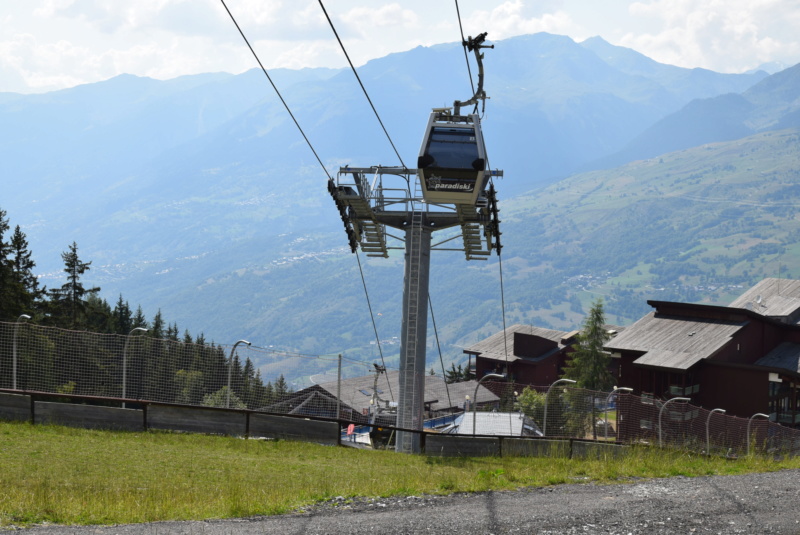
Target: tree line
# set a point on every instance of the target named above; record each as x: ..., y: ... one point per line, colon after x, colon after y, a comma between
x: 170, y: 367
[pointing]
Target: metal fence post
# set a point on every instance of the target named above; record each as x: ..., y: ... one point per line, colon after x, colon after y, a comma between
x: 230, y: 366
x: 708, y: 432
x: 546, y: 397
x: 475, y: 404
x: 660, y: 441
x: 750, y: 421
x: 24, y: 318
x: 125, y: 360
x: 339, y: 389
x: 608, y: 401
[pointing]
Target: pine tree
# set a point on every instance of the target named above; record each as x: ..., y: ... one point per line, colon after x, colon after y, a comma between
x: 172, y: 332
x: 6, y: 298
x: 249, y: 386
x: 281, y: 388
x: 589, y: 367
x: 157, y: 330
x: 139, y: 319
x: 99, y: 317
x: 26, y: 294
x: 69, y: 301
x: 262, y: 395
x: 589, y: 363
x: 123, y: 319
x: 456, y: 375
x: 269, y: 394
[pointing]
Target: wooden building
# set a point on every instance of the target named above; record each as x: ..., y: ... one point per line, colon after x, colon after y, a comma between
x: 529, y: 355
x: 744, y: 358
x: 365, y: 399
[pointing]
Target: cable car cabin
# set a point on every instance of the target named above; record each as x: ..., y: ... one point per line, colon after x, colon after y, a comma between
x: 452, y: 159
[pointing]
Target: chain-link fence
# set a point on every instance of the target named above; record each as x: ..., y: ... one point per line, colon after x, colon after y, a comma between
x: 138, y: 367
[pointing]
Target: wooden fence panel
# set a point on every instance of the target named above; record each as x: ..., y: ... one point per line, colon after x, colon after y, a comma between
x: 15, y: 407
x: 196, y: 420
x: 270, y: 426
x: 517, y: 447
x: 88, y: 416
x: 596, y: 450
x: 460, y: 446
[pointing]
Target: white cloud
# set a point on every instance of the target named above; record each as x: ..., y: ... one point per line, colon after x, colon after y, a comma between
x: 56, y: 43
x: 734, y: 35
x: 513, y: 18
x: 42, y: 66
x: 386, y: 16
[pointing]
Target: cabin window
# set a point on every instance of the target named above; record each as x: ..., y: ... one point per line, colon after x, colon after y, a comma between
x: 452, y: 148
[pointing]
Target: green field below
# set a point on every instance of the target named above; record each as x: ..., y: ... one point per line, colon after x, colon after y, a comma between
x: 62, y: 475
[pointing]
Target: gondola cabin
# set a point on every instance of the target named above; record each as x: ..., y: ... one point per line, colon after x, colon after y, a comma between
x: 452, y: 159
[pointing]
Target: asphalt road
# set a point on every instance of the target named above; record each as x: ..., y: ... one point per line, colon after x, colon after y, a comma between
x: 751, y: 504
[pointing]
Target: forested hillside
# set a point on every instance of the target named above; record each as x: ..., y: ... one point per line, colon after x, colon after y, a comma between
x: 74, y: 357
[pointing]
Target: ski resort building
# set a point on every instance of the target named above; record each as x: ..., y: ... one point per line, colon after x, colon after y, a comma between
x: 529, y: 355
x: 744, y: 358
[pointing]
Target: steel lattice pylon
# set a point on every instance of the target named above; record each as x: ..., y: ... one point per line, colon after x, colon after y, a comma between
x: 367, y: 209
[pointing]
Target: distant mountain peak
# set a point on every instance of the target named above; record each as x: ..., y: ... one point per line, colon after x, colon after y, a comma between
x: 771, y: 67
x: 619, y: 56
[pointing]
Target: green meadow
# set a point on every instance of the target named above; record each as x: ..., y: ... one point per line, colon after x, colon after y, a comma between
x: 74, y: 476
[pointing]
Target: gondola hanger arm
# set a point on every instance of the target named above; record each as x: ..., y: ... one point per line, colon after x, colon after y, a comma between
x: 474, y: 45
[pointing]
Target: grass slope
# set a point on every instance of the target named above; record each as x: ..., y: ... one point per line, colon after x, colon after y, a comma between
x: 73, y: 476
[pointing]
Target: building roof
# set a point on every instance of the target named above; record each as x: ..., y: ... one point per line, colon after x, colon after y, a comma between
x: 786, y: 356
x: 674, y: 342
x: 493, y: 423
x: 357, y: 392
x: 495, y: 346
x: 771, y: 297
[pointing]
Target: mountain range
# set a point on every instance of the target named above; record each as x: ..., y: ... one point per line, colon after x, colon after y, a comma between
x: 199, y: 196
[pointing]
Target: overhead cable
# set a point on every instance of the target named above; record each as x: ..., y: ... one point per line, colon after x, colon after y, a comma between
x: 463, y: 45
x: 285, y: 105
x: 374, y: 327
x: 364, y: 89
x: 441, y: 360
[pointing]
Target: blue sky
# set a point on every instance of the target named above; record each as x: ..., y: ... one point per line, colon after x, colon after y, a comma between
x: 53, y: 44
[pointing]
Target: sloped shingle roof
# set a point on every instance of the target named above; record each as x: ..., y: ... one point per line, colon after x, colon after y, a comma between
x: 674, y: 342
x: 495, y: 346
x: 357, y: 392
x: 771, y: 297
x: 786, y: 356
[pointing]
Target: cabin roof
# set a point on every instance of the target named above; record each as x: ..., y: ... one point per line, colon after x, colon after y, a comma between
x: 786, y: 356
x: 674, y: 342
x: 493, y: 423
x: 494, y: 347
x: 771, y: 297
x: 357, y: 391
